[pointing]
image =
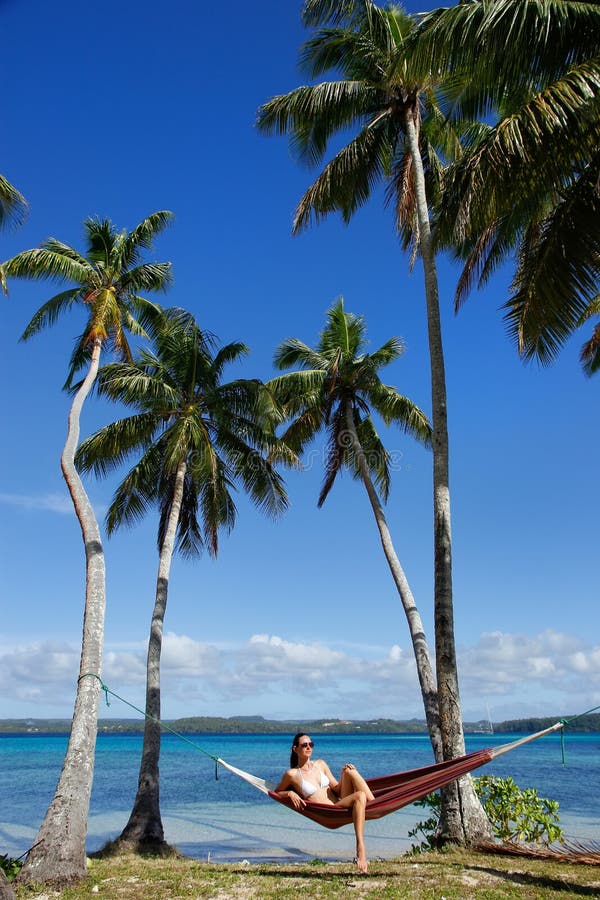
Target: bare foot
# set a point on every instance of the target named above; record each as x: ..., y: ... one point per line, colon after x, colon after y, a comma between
x: 361, y: 862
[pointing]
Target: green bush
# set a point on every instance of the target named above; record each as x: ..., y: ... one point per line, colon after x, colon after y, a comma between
x: 514, y: 814
x: 11, y: 867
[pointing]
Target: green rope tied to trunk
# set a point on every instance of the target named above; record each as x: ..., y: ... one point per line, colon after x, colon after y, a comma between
x: 568, y: 722
x: 146, y: 715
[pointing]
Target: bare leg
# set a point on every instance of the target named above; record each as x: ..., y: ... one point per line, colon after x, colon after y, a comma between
x: 357, y: 801
x: 351, y: 780
x: 358, y: 818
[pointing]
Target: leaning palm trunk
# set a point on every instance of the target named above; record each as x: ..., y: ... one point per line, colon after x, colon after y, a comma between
x: 413, y: 617
x: 58, y: 853
x: 462, y: 817
x: 145, y: 829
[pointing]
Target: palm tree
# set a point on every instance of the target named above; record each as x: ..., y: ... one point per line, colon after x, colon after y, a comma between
x: 198, y: 437
x: 107, y: 280
x: 336, y: 389
x: 397, y: 124
x: 528, y: 187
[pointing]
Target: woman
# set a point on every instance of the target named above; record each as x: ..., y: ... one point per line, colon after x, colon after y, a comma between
x: 311, y: 780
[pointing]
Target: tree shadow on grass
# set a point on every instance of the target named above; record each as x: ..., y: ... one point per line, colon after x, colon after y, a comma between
x: 317, y: 869
x: 543, y: 882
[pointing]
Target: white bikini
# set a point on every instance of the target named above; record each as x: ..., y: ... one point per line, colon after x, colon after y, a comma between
x: 308, y: 788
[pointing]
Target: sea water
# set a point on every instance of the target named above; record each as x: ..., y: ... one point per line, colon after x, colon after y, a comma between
x: 227, y: 819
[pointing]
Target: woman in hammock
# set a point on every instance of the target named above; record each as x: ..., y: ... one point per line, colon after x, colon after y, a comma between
x: 312, y: 780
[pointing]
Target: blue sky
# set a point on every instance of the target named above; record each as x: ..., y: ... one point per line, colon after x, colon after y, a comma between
x: 120, y: 112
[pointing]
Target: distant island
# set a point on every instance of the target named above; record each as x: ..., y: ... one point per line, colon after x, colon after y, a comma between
x: 260, y: 725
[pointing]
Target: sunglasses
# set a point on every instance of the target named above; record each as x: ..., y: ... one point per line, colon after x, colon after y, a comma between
x: 306, y: 744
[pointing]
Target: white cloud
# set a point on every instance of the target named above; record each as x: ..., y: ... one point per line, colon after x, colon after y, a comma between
x: 37, y: 672
x: 52, y: 502
x: 519, y: 674
x: 551, y: 667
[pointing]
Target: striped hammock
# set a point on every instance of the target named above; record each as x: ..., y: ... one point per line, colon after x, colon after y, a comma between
x: 392, y: 792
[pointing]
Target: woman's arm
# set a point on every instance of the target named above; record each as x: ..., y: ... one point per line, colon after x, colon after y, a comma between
x: 287, y: 787
x: 285, y: 781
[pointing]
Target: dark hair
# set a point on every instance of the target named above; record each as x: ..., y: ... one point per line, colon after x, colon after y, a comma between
x: 293, y: 754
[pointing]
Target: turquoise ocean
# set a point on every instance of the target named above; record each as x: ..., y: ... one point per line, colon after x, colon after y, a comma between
x: 228, y: 820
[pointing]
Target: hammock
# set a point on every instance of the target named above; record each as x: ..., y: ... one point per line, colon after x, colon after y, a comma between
x: 392, y: 792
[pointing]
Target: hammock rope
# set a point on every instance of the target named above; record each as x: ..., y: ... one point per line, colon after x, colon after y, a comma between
x: 568, y: 722
x: 392, y: 792
x: 146, y: 715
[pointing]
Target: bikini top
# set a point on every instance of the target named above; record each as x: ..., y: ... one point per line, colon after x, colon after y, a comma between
x: 308, y: 788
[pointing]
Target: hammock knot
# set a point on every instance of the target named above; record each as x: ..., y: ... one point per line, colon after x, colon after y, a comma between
x: 103, y: 687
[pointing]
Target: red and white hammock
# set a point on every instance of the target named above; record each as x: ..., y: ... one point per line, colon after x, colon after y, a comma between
x: 392, y: 792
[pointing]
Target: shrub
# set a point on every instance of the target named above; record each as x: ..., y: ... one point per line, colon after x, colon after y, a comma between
x: 515, y: 814
x: 11, y: 867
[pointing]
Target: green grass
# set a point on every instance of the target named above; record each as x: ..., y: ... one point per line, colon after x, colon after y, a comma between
x: 455, y: 874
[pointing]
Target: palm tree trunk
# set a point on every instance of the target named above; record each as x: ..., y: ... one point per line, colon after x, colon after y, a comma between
x: 144, y: 828
x: 6, y: 891
x: 415, y: 625
x: 58, y: 855
x: 462, y: 817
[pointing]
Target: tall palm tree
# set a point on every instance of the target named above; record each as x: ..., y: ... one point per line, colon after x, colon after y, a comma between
x: 398, y: 124
x: 198, y: 436
x: 336, y: 389
x: 107, y: 280
x: 528, y: 186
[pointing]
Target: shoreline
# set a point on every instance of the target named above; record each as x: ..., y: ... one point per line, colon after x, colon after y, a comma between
x: 260, y: 833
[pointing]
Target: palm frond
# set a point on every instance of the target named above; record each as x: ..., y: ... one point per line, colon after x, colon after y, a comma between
x: 142, y: 236
x: 348, y: 180
x: 490, y: 251
x: 42, y: 262
x: 295, y: 388
x: 107, y: 449
x: 338, y: 443
x: 80, y: 359
x: 293, y: 352
x: 138, y: 385
x: 590, y: 351
x: 101, y: 236
x: 50, y: 311
x: 13, y: 205
x: 190, y: 541
x: 303, y: 429
x: 261, y: 481
x: 375, y: 456
x: 352, y: 51
x: 230, y: 353
x: 558, y: 273
x: 147, y: 277
x: 387, y: 353
x: 343, y: 332
x: 397, y: 409
x: 527, y: 154
x: 67, y: 251
x: 136, y: 494
x: 334, y: 12
x: 493, y: 42
x: 311, y: 114
x: 218, y: 510
x: 400, y: 193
